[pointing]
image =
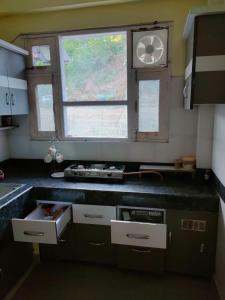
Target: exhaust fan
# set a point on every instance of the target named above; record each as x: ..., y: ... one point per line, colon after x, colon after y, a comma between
x: 150, y: 48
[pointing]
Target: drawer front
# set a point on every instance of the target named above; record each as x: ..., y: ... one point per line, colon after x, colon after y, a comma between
x: 92, y: 243
x: 139, y: 234
x: 141, y: 259
x: 93, y: 214
x: 34, y: 231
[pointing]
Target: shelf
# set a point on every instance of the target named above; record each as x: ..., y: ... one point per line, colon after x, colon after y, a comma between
x: 164, y: 168
x: 7, y: 127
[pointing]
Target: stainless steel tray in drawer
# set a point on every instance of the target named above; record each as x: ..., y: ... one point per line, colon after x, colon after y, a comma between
x: 35, y: 228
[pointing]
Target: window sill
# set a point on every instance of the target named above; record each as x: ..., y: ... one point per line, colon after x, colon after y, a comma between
x: 102, y: 140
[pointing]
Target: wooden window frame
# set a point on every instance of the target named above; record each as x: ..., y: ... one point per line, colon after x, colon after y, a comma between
x: 133, y: 77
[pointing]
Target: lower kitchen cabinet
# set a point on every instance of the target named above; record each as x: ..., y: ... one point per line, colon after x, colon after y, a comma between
x: 82, y: 242
x: 15, y: 259
x: 61, y: 251
x: 141, y: 259
x: 92, y: 243
x: 191, y: 242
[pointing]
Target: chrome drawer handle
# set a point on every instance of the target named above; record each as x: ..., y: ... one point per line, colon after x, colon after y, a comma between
x: 91, y: 216
x: 34, y: 233
x: 7, y: 98
x: 13, y: 99
x: 96, y: 244
x: 141, y: 251
x: 138, y: 236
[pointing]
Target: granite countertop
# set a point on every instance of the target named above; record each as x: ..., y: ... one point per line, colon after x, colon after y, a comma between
x: 38, y: 175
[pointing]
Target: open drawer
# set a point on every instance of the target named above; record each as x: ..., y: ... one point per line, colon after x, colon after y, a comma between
x: 139, y: 234
x: 44, y: 225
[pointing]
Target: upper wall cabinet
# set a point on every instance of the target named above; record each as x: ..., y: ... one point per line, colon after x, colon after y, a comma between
x: 13, y: 86
x: 205, y: 71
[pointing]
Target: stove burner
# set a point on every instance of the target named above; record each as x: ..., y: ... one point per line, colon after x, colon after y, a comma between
x: 95, y: 171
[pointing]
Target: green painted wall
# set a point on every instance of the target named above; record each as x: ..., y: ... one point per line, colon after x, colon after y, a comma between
x: 101, y: 16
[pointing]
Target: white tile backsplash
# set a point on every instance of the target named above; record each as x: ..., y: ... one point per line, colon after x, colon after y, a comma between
x: 205, y: 136
x: 182, y: 139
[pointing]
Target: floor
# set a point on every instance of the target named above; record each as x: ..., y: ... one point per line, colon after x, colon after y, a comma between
x: 73, y: 281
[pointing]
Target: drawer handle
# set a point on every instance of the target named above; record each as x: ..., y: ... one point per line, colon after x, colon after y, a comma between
x: 141, y: 250
x: 13, y: 99
x: 97, y: 244
x: 91, y: 216
x: 7, y: 99
x: 34, y: 233
x: 138, y: 236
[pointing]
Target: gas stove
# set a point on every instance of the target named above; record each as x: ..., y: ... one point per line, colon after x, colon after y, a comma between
x: 101, y: 171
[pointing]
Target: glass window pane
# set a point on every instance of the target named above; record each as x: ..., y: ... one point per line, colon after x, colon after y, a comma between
x: 41, y: 56
x: 96, y: 121
x: 44, y: 104
x: 149, y: 105
x: 94, y: 67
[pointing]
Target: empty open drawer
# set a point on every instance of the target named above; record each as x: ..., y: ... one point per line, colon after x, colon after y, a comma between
x: 43, y: 225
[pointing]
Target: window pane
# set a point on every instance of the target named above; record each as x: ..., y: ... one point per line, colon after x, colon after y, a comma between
x: 94, y: 67
x: 41, y: 56
x: 149, y: 105
x: 44, y: 104
x: 96, y: 121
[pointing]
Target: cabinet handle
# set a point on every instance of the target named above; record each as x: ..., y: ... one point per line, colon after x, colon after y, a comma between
x: 91, y: 216
x: 138, y: 236
x: 170, y: 237
x: 185, y: 91
x: 202, y: 248
x: 141, y: 250
x: 7, y: 99
x: 34, y: 233
x: 13, y: 99
x: 96, y: 244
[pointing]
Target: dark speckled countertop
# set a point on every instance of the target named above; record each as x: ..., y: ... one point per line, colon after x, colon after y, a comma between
x: 173, y: 187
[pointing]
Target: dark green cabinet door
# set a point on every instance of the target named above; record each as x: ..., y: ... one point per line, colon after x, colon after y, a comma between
x: 141, y: 259
x: 15, y: 259
x: 190, y: 251
x: 92, y: 243
x: 62, y: 251
x: 82, y: 242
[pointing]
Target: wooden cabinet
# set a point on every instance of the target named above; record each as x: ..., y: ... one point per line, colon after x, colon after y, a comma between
x: 191, y: 242
x: 205, y: 70
x: 13, y: 86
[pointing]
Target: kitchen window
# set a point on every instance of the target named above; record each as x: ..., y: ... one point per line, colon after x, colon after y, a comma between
x: 83, y: 86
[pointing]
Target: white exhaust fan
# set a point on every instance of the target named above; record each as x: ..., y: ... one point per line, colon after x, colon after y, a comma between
x: 150, y: 48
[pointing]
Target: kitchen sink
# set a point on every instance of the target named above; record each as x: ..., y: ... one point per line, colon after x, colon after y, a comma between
x: 8, y: 188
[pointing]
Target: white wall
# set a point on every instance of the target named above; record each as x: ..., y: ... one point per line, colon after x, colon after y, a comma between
x: 4, y: 149
x: 218, y: 164
x: 182, y: 140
